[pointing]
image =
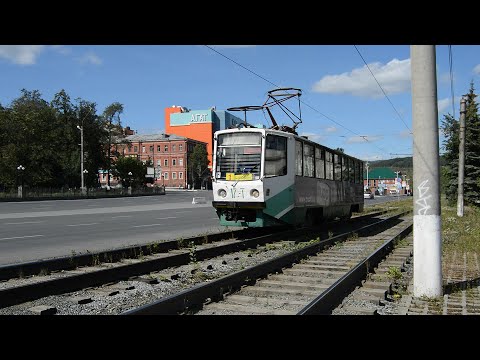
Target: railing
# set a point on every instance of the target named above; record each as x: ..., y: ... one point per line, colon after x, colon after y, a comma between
x: 75, y: 193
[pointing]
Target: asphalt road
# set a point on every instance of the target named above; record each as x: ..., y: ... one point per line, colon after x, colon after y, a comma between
x: 44, y: 229
x: 35, y: 230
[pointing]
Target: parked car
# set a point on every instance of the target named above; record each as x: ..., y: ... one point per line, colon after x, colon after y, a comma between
x: 368, y: 194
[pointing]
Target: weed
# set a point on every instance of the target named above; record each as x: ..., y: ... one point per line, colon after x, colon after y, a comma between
x: 193, y: 252
x: 43, y: 272
x: 95, y: 259
x: 394, y: 273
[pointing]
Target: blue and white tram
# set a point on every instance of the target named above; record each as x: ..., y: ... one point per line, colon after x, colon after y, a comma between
x: 265, y: 177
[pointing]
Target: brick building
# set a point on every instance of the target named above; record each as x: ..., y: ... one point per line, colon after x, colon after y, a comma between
x: 168, y: 153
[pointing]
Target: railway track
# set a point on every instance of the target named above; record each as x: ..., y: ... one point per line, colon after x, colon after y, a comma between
x: 111, y: 278
x: 310, y: 280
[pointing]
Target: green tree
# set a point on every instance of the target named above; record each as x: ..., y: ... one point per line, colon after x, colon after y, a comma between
x: 198, y: 166
x: 450, y: 128
x: 113, y: 125
x: 125, y: 165
x: 472, y: 150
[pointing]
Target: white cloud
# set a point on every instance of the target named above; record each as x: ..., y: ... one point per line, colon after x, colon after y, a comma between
x: 90, y: 58
x: 394, y: 77
x: 331, y: 129
x: 476, y: 69
x: 363, y: 139
x: 313, y: 136
x: 61, y: 49
x: 21, y: 54
x: 445, y: 105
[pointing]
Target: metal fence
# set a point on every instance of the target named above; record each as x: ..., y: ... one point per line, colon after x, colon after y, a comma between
x: 27, y: 193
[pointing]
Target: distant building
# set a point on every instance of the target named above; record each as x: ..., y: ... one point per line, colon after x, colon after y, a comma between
x: 168, y: 153
x: 383, y: 178
x: 199, y: 124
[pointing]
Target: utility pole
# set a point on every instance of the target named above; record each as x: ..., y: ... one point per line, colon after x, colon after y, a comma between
x: 82, y: 188
x: 461, y: 157
x: 427, y: 240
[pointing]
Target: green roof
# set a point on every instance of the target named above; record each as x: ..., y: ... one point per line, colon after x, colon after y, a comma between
x: 383, y: 173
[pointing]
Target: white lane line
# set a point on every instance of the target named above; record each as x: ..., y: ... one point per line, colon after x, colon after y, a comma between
x: 148, y: 225
x: 121, y: 216
x: 171, y: 217
x: 83, y: 224
x: 25, y: 222
x: 21, y: 237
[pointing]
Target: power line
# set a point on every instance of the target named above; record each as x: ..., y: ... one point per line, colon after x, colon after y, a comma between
x: 311, y: 107
x: 384, y: 93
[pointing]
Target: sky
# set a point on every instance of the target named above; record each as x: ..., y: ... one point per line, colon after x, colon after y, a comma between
x: 342, y: 104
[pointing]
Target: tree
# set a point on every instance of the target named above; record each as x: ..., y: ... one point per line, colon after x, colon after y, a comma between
x: 113, y: 125
x: 124, y: 165
x: 451, y: 130
x: 198, y: 165
x: 472, y: 150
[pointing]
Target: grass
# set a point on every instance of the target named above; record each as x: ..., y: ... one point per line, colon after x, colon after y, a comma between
x: 460, y: 234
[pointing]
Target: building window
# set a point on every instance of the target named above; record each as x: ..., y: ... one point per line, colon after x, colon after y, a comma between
x: 180, y: 175
x: 180, y: 147
x: 329, y: 165
x: 159, y: 148
x: 173, y: 147
x: 165, y: 162
x: 180, y: 162
x: 159, y: 162
x: 165, y: 175
x: 143, y: 149
x: 174, y: 162
x: 174, y: 176
x: 135, y: 149
x: 165, y: 148
x: 337, y: 160
x: 130, y: 148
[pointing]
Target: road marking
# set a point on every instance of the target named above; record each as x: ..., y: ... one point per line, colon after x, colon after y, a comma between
x: 21, y: 237
x: 148, y: 225
x: 171, y: 217
x: 119, y: 216
x: 83, y: 224
x: 25, y: 222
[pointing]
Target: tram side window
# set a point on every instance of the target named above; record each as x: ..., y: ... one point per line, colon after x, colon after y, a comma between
x: 298, y: 157
x: 319, y: 163
x: 358, y: 172
x: 275, y: 155
x: 344, y: 168
x: 337, y: 160
x: 351, y: 170
x: 308, y: 160
x: 329, y: 165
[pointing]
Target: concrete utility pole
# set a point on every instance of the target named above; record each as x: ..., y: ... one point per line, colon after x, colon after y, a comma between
x: 461, y: 156
x: 427, y: 240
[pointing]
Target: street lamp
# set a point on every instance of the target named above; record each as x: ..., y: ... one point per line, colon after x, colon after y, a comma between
x: 20, y: 169
x: 81, y: 158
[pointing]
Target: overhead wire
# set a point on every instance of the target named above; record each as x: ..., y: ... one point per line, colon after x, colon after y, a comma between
x: 303, y: 102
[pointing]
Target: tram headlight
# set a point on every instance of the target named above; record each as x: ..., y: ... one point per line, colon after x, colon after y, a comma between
x: 222, y: 193
x: 254, y: 193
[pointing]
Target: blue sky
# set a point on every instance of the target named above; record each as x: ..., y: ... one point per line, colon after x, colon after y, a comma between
x: 335, y: 82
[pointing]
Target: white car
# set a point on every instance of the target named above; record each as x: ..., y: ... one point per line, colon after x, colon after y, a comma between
x: 368, y: 194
